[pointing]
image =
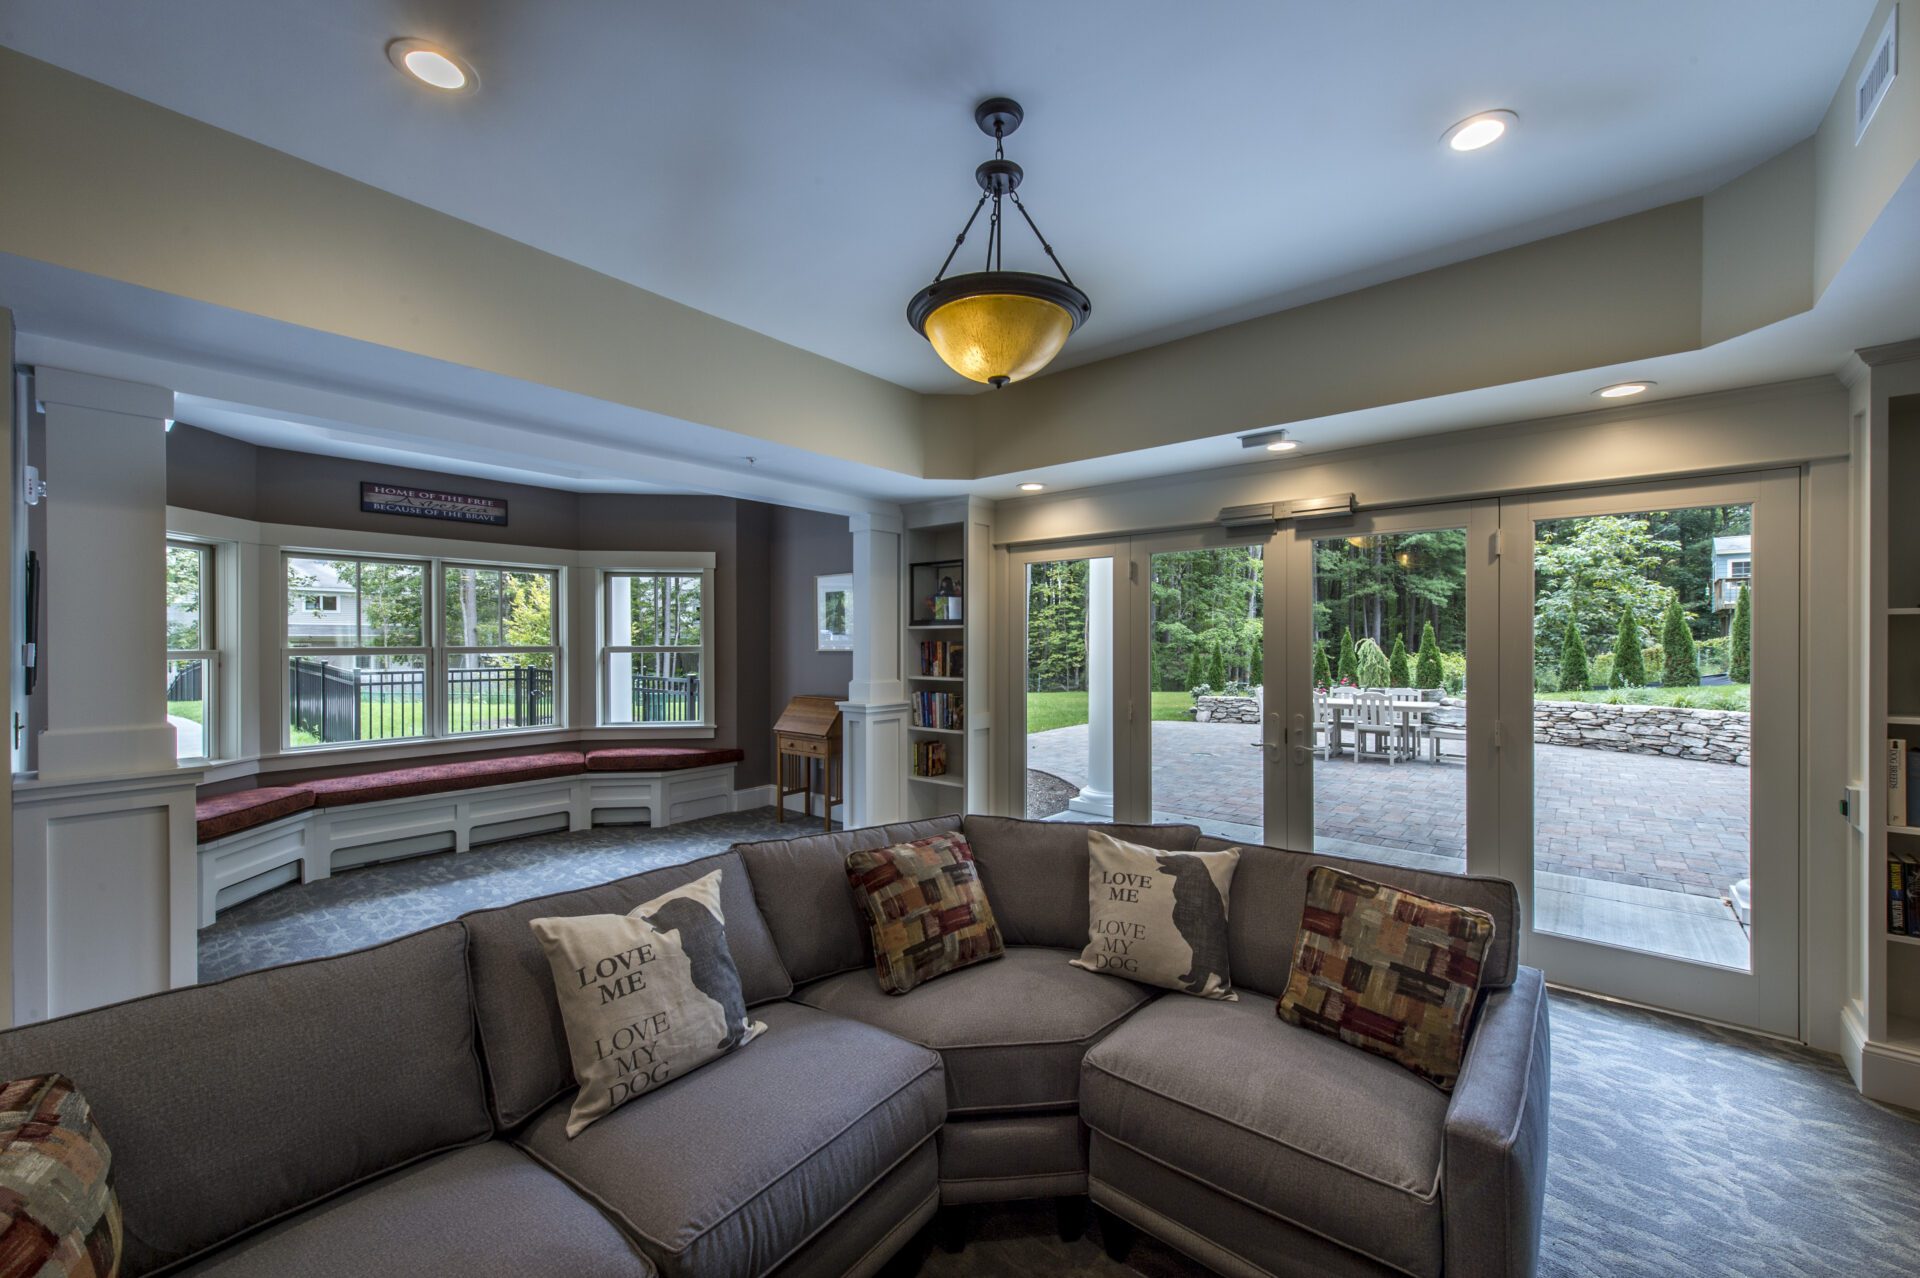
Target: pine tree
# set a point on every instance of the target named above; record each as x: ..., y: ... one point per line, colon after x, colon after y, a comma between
x: 1740, y: 658
x: 1398, y: 675
x: 1349, y: 667
x: 1573, y: 660
x: 1217, y: 673
x: 1680, y: 666
x: 1427, y: 671
x: 1322, y: 672
x: 1629, y: 663
x: 1256, y: 667
x: 1371, y: 664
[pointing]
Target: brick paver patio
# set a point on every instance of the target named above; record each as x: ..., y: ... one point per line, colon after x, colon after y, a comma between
x: 1674, y: 825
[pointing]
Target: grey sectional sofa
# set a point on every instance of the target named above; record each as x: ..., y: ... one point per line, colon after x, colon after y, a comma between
x: 400, y: 1109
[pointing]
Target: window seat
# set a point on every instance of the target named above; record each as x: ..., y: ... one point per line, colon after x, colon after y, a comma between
x: 255, y: 839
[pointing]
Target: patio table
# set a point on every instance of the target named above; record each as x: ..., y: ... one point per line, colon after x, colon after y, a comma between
x: 1408, y: 709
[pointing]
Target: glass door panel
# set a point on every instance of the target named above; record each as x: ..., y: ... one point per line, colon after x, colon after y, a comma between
x: 1649, y: 689
x: 1386, y: 725
x: 1642, y: 658
x: 1069, y: 673
x: 1206, y: 681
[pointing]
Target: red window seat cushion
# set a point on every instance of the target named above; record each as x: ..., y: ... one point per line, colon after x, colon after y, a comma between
x: 438, y: 778
x: 224, y: 814
x: 657, y: 758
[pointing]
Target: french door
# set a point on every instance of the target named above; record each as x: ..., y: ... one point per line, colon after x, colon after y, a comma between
x: 1649, y: 784
x: 1592, y: 693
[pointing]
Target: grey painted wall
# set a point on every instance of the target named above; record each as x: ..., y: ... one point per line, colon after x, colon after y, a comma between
x: 766, y: 556
x: 804, y: 544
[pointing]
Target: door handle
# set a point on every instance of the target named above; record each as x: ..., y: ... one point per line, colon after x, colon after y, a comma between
x: 1297, y: 733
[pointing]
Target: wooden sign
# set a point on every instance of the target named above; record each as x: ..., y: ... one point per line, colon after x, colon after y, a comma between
x: 425, y: 503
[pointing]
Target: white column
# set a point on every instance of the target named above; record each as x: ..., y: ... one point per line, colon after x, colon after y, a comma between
x: 874, y: 715
x: 1096, y: 796
x: 104, y: 628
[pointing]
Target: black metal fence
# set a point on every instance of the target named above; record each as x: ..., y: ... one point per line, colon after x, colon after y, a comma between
x: 332, y: 704
x: 666, y: 698
x: 187, y: 680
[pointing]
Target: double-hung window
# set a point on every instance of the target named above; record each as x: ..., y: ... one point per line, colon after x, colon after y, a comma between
x: 654, y: 648
x: 356, y: 670
x: 193, y: 669
x: 503, y: 653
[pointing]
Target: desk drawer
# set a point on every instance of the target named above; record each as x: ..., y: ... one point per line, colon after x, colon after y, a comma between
x: 812, y: 747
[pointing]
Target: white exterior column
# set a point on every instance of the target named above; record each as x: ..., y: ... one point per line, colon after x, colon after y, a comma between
x: 104, y: 623
x: 875, y: 713
x: 105, y: 871
x: 1096, y: 796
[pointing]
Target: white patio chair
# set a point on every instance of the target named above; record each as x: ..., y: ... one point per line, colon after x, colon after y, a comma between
x: 1377, y: 729
x: 1324, y: 745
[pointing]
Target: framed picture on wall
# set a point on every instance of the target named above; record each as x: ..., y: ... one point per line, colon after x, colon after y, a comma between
x: 833, y: 611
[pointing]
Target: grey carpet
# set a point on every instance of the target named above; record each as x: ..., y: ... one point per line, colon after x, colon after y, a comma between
x: 1677, y: 1148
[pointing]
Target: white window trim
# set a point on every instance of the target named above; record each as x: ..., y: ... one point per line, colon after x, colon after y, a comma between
x: 685, y: 565
x: 213, y: 691
x: 556, y: 650
x: 429, y: 702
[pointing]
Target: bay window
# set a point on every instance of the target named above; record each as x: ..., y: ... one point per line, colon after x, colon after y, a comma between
x: 356, y: 671
x: 502, y: 652
x: 655, y: 647
x: 192, y: 655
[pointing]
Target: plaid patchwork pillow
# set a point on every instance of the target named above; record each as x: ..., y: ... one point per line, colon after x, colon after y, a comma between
x: 1388, y: 971
x: 926, y: 909
x: 58, y: 1215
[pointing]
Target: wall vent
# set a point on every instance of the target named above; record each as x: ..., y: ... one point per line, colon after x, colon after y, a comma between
x: 1877, y: 76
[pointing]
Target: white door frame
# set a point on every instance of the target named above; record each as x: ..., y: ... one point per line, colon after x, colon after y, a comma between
x: 1767, y: 997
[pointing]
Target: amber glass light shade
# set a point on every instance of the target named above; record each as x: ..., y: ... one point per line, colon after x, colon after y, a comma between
x: 998, y: 337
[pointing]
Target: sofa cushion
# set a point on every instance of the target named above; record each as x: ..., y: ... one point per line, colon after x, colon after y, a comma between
x: 58, y: 1215
x: 647, y: 996
x: 802, y: 888
x: 1334, y: 1141
x: 1387, y: 971
x: 1270, y: 894
x: 219, y: 815
x: 438, y: 778
x: 484, y: 1212
x: 1011, y: 1032
x: 1159, y: 917
x: 657, y: 758
x: 522, y: 1037
x: 231, y: 1104
x: 1036, y: 872
x: 732, y: 1169
x: 925, y: 908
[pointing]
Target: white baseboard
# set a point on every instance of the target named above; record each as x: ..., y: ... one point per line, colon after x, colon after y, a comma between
x: 754, y: 796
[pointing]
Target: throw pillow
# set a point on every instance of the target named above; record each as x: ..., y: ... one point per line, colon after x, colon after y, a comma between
x: 58, y: 1215
x: 646, y: 996
x: 1159, y: 917
x: 1387, y: 970
x: 926, y: 909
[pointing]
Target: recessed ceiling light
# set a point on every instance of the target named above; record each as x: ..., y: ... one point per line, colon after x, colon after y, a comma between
x: 433, y: 66
x: 1031, y: 487
x: 1274, y: 441
x: 1481, y: 130
x: 1620, y: 390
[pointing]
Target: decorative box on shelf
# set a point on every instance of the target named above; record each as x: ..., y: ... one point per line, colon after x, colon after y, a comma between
x: 938, y: 590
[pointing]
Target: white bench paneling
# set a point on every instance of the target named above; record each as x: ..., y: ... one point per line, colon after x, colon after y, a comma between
x: 321, y: 840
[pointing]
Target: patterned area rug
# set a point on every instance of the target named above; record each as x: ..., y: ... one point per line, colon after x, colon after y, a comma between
x: 1677, y: 1148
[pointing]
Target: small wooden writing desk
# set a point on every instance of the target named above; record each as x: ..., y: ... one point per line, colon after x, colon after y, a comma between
x: 808, y: 732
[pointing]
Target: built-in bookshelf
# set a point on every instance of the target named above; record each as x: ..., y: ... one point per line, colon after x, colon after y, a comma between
x: 1883, y: 1025
x: 945, y: 598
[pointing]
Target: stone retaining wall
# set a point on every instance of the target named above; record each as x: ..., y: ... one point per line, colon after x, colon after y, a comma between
x: 1226, y: 709
x: 1716, y: 736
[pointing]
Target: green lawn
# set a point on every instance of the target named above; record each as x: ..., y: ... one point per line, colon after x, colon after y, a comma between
x: 186, y: 709
x: 1065, y: 709
x: 1730, y: 696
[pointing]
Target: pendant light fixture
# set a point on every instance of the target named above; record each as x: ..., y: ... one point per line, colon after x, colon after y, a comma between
x: 994, y: 325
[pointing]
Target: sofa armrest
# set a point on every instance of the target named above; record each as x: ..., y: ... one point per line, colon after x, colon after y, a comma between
x: 1495, y: 1183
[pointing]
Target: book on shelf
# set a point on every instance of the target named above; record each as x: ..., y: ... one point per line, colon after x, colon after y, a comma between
x: 941, y: 659
x: 930, y: 758
x: 1896, y: 778
x: 1903, y: 894
x: 938, y: 710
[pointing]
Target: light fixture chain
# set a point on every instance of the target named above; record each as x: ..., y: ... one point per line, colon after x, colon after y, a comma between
x: 961, y: 238
x: 1043, y: 239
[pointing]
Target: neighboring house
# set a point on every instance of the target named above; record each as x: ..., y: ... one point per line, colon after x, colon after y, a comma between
x: 320, y: 608
x: 1732, y: 569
